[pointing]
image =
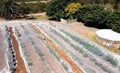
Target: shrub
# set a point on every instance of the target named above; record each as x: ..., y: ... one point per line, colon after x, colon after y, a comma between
x: 52, y: 51
x: 59, y: 14
x: 96, y: 15
x: 111, y: 59
x: 113, y: 21
x: 93, y: 15
x: 55, y: 9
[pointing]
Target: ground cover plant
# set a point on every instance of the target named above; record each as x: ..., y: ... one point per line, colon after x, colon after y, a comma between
x: 54, y: 30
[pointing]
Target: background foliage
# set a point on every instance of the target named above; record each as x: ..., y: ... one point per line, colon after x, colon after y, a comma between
x: 94, y: 13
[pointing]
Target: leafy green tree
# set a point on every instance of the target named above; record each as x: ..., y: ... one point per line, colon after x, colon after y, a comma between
x: 113, y: 21
x: 96, y: 15
x: 58, y: 15
x: 93, y: 15
x: 71, y: 9
x: 57, y: 6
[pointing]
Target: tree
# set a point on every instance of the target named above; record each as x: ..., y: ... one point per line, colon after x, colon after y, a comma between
x: 93, y: 15
x: 42, y: 7
x: 57, y: 6
x: 11, y: 9
x: 71, y: 9
x: 96, y: 15
x: 58, y: 15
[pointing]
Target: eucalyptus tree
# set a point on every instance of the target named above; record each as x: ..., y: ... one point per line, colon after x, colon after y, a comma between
x: 11, y: 9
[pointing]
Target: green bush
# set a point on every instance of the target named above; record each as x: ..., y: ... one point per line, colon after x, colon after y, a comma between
x: 111, y: 59
x: 93, y: 15
x: 59, y: 14
x: 52, y: 51
x: 55, y: 9
x: 96, y: 15
x: 113, y: 21
x: 95, y: 50
x: 71, y: 9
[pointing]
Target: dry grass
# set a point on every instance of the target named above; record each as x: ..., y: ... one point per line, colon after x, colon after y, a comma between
x: 39, y: 16
x: 86, y: 31
x: 91, y: 34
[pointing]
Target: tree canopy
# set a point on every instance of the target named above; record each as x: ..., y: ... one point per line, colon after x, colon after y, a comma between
x: 11, y: 9
x: 71, y: 9
x: 55, y: 8
x: 94, y: 14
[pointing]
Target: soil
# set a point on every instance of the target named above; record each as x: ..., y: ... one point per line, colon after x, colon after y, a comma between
x: 20, y: 66
x: 61, y: 53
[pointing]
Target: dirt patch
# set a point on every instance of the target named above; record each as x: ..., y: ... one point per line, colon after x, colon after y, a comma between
x: 20, y: 66
x: 76, y: 24
x: 61, y: 53
x: 38, y: 16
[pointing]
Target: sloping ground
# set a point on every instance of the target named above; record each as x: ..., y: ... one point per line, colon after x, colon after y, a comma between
x: 89, y: 50
x: 30, y: 57
x: 89, y: 33
x: 61, y: 53
x: 66, y: 47
x: 38, y: 58
x: 44, y: 61
x: 81, y: 29
x: 20, y: 66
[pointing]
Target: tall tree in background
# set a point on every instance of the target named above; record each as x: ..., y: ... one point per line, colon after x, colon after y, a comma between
x: 56, y: 8
x: 11, y: 9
